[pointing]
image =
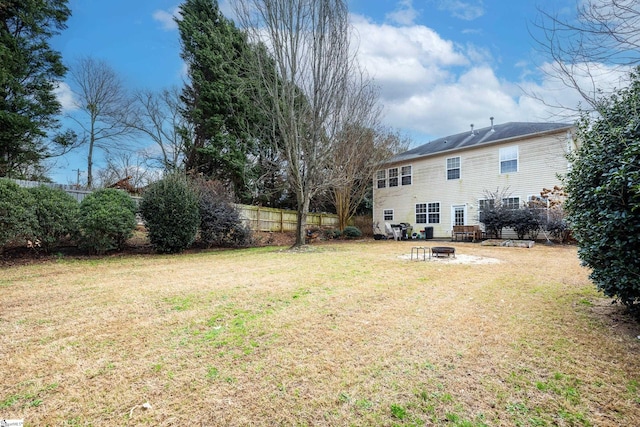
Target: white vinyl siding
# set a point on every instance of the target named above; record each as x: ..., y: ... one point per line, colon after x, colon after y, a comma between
x: 540, y: 161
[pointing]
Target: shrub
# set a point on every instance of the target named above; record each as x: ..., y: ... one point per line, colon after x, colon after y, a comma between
x: 559, y: 229
x: 495, y: 220
x: 525, y: 222
x: 17, y: 218
x: 56, y: 214
x: 333, y: 233
x: 106, y: 220
x: 169, y: 208
x: 351, y: 232
x: 220, y: 222
x: 603, y: 189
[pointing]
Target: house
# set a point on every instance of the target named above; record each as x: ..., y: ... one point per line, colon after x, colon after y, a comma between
x: 449, y: 181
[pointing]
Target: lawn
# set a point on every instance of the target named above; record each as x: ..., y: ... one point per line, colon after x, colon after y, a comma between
x: 349, y: 334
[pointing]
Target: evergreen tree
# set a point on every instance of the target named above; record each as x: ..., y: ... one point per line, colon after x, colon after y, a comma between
x: 29, y: 69
x: 219, y: 97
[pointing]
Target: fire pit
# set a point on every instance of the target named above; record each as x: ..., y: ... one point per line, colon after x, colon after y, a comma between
x: 443, y: 250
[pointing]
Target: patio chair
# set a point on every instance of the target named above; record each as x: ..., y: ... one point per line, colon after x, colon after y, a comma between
x: 394, y: 233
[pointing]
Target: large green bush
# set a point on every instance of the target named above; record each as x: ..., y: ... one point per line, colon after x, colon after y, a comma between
x: 604, y: 194
x: 351, y: 232
x: 220, y: 222
x: 525, y: 222
x: 17, y: 218
x: 495, y: 220
x: 169, y: 208
x: 56, y: 216
x: 106, y: 220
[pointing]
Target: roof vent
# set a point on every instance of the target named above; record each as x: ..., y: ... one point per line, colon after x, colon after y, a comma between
x: 492, y: 129
x: 472, y: 132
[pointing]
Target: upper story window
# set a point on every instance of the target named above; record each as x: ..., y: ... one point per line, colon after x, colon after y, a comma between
x: 406, y: 175
x: 453, y: 168
x: 381, y: 177
x: 509, y: 159
x: 393, y: 177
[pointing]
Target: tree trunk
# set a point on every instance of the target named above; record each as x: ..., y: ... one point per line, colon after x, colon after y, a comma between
x: 301, y: 224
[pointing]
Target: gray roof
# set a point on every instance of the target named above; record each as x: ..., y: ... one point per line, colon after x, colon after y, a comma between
x: 480, y: 137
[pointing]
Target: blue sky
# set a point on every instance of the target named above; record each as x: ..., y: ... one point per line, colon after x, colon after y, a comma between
x: 440, y: 64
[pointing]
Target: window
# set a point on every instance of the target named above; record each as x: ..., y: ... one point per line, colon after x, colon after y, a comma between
x: 393, y: 177
x: 453, y: 168
x: 381, y: 176
x: 388, y: 214
x: 406, y: 175
x: 421, y: 213
x: 433, y: 213
x: 484, y: 205
x: 512, y: 203
x: 509, y: 159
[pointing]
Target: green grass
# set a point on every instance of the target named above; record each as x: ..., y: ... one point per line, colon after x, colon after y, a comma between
x: 351, y: 334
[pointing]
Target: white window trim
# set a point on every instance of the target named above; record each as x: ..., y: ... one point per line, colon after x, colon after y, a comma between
x: 383, y: 179
x: 384, y: 214
x: 447, y: 168
x: 439, y: 212
x: 397, y: 177
x: 517, y: 159
x: 410, y: 175
x: 512, y: 197
x: 426, y: 213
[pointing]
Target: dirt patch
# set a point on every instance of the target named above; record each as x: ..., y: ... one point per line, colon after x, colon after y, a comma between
x: 458, y: 259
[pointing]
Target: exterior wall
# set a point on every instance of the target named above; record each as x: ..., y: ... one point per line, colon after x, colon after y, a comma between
x: 540, y: 160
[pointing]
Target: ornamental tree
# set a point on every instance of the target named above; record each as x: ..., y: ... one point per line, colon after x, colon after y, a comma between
x: 604, y: 194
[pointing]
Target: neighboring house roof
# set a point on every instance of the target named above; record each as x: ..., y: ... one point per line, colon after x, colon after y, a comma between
x: 480, y: 137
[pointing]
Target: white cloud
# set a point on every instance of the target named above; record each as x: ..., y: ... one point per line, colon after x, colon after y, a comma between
x: 167, y: 18
x: 405, y: 13
x: 64, y: 94
x: 431, y: 87
x: 467, y: 11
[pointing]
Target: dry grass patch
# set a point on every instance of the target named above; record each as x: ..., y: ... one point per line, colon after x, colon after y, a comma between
x: 346, y: 334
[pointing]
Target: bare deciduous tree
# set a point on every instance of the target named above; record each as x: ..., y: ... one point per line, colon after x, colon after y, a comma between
x: 100, y: 95
x: 127, y: 166
x: 158, y: 117
x: 600, y: 44
x: 361, y: 147
x: 306, y: 76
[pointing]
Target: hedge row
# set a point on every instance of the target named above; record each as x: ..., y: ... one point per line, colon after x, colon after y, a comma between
x: 45, y: 218
x: 175, y: 210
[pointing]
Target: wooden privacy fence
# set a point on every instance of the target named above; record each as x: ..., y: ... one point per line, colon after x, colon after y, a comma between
x: 259, y: 218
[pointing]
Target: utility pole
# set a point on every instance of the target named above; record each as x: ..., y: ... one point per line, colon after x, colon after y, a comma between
x: 78, y: 178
